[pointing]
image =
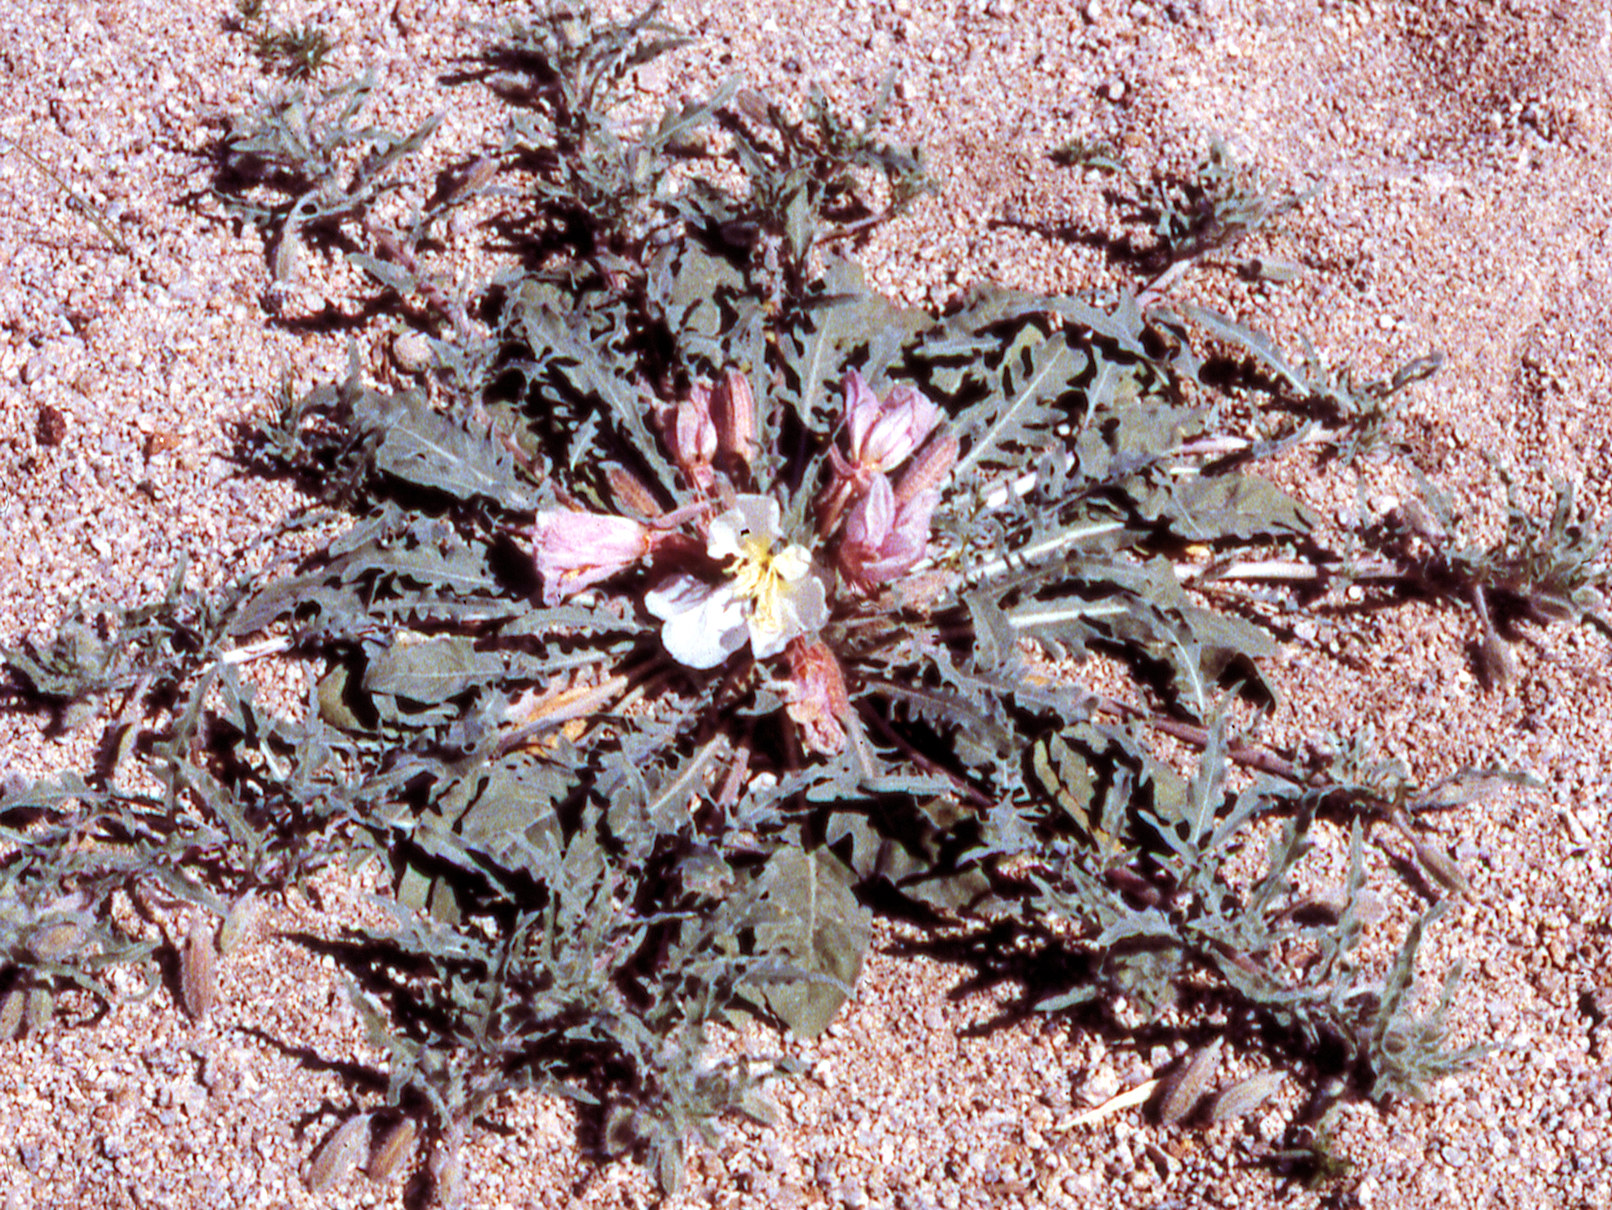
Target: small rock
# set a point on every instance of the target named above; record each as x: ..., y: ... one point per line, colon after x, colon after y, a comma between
x: 412, y: 352
x: 1598, y: 1004
x: 52, y: 426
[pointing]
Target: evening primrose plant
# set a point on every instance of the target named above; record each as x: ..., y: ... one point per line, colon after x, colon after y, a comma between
x: 687, y: 598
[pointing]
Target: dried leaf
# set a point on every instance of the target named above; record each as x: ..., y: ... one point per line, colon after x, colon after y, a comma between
x: 338, y: 1154
x: 393, y: 1150
x: 1245, y: 1096
x: 1446, y: 871
x: 1181, y: 1092
x: 13, y: 1007
x: 54, y: 941
x: 238, y: 922
x: 198, y: 970
x: 39, y: 1009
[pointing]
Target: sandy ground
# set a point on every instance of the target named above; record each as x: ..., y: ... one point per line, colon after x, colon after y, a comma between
x: 1464, y: 151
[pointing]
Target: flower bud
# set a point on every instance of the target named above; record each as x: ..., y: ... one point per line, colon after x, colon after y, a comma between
x: 631, y: 493
x: 733, y: 409
x: 691, y: 434
x: 576, y: 549
x: 930, y: 468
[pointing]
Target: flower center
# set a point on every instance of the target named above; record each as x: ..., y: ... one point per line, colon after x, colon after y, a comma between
x: 759, y: 575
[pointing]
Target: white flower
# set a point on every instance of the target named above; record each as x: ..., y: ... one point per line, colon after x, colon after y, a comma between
x: 770, y: 597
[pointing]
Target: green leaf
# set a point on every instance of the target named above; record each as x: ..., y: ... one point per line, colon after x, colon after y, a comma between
x: 1038, y: 369
x: 423, y: 447
x: 432, y: 671
x: 811, y: 922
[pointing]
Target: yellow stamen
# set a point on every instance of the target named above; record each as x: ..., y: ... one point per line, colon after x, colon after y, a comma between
x: 758, y: 578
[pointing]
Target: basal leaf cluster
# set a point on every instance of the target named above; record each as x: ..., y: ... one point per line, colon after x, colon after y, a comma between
x: 696, y: 599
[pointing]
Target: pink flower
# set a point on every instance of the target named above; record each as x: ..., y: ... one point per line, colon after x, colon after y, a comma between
x: 881, y: 435
x: 884, y: 433
x: 883, y: 539
x: 576, y: 549
x: 817, y: 699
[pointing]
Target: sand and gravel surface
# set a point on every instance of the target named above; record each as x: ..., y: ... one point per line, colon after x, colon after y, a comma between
x: 1464, y: 151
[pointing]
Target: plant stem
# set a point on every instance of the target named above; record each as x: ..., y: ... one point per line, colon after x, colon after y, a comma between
x: 78, y: 200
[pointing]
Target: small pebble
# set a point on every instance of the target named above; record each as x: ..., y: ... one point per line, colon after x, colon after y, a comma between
x: 412, y: 352
x: 52, y: 426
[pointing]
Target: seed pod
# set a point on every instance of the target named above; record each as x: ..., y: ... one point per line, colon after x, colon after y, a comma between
x: 53, y: 941
x: 38, y: 1009
x: 337, y: 1154
x: 1446, y: 871
x: 393, y: 1149
x: 1245, y: 1096
x: 13, y: 1006
x: 1182, y: 1091
x: 198, y: 970
x: 240, y: 918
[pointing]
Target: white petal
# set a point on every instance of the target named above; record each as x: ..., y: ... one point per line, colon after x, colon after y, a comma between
x: 704, y: 624
x: 675, y: 594
x: 757, y: 516
x: 802, y: 609
x: 723, y: 538
x: 792, y: 562
x: 762, y: 515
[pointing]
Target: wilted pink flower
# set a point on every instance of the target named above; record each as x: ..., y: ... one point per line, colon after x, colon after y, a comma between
x: 884, y: 433
x: 817, y: 698
x: 690, y: 433
x: 575, y: 549
x: 881, y: 435
x: 883, y: 538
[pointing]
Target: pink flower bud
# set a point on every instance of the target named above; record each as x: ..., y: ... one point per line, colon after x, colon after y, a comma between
x: 733, y: 408
x: 884, y: 434
x: 817, y: 698
x: 576, y: 549
x: 631, y: 493
x: 883, y: 539
x: 930, y: 468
